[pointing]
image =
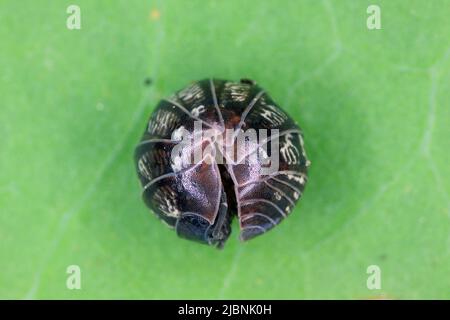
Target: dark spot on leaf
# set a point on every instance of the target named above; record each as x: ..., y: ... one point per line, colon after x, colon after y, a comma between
x: 148, y: 81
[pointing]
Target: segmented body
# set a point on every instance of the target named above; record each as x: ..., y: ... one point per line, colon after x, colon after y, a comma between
x: 200, y: 199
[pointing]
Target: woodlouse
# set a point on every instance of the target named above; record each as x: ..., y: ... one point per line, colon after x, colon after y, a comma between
x: 200, y: 198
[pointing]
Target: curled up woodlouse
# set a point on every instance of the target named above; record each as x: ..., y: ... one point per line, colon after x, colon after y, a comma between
x: 217, y: 150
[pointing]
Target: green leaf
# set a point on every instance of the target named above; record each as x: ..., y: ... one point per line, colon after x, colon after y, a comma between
x: 373, y: 104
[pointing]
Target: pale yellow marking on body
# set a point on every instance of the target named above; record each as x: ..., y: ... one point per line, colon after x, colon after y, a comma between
x: 155, y: 14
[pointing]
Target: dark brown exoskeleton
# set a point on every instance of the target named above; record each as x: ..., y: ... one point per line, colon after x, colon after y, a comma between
x: 218, y: 150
